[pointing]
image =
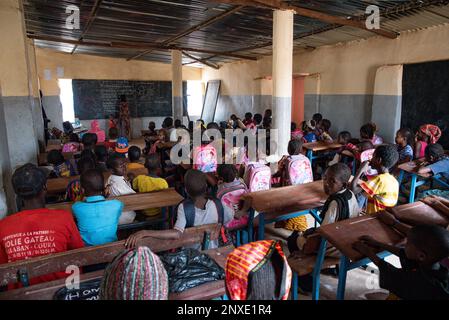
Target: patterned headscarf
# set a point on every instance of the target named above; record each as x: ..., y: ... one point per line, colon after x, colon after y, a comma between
x: 135, y: 274
x: 432, y: 131
x: 248, y: 259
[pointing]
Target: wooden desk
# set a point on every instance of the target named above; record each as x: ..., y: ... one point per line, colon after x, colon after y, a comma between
x: 312, y: 147
x: 278, y: 199
x: 418, y: 213
x: 411, y: 168
x: 137, y: 201
x: 345, y: 233
x: 105, y: 253
x: 284, y: 203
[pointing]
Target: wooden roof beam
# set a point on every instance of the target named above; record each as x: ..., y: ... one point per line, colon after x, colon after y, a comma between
x: 203, y: 61
x: 90, y: 20
x: 138, y: 45
x: 278, y: 4
x: 192, y: 29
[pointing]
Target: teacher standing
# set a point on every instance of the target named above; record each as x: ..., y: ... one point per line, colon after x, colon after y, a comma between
x: 124, y: 123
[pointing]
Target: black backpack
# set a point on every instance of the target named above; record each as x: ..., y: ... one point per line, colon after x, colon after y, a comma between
x: 189, y: 211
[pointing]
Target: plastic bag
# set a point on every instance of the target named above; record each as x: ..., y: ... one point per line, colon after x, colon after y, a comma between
x: 190, y: 268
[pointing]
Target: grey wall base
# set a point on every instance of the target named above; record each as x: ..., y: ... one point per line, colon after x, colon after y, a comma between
x: 21, y: 125
x: 386, y: 114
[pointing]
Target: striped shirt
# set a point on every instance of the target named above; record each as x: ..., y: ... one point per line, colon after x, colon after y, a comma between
x: 382, y: 192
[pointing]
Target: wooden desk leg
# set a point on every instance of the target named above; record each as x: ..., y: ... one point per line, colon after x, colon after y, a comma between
x: 317, y: 270
x: 342, y: 273
x: 261, y: 230
x: 294, y: 295
x: 413, y: 188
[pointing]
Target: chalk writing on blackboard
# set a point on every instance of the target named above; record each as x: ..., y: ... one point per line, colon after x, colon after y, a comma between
x: 97, y: 99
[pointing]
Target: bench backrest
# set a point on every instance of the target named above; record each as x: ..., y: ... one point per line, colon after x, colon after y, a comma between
x: 98, y: 254
x: 137, y: 201
x: 59, y: 185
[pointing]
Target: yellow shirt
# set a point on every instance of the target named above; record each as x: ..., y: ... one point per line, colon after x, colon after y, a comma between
x: 135, y: 165
x: 382, y: 190
x: 297, y: 224
x: 147, y: 184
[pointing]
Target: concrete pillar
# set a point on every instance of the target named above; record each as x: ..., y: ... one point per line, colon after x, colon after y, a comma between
x: 176, y: 67
x: 282, y: 76
x: 20, y: 116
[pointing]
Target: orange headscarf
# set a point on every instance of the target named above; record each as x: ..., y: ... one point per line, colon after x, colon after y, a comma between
x: 249, y: 258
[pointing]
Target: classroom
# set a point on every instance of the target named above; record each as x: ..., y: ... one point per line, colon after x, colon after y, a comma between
x: 224, y: 150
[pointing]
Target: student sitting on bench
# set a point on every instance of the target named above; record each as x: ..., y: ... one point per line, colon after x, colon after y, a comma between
x: 382, y: 190
x: 36, y: 231
x: 89, y: 141
x: 341, y: 204
x: 74, y: 192
x: 118, y: 184
x: 150, y: 182
x: 61, y: 167
x: 101, y: 154
x: 421, y: 276
x: 194, y: 211
x: 134, y: 154
x: 135, y: 274
x: 258, y: 271
x: 438, y: 162
x: 97, y: 218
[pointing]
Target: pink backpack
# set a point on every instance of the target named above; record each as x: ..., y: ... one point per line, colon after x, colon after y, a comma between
x: 366, y: 156
x: 71, y: 147
x: 259, y: 177
x: 299, y: 170
x: 205, y: 158
x: 230, y: 197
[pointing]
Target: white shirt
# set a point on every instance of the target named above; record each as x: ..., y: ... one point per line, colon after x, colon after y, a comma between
x: 331, y: 213
x: 119, y: 186
x: 208, y: 215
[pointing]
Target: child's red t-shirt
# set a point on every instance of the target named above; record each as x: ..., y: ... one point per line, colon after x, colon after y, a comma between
x: 33, y: 233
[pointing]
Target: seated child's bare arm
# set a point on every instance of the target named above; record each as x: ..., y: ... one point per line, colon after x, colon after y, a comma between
x: 134, y: 239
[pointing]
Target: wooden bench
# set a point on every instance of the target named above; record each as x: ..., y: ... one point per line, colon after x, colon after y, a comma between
x: 103, y: 254
x: 59, y: 185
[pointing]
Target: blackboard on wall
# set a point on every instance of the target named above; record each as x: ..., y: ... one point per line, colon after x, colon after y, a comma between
x: 425, y: 97
x: 98, y: 99
x: 210, y: 100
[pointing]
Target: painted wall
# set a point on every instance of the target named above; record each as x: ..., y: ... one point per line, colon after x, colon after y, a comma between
x: 342, y: 87
x: 20, y: 118
x: 79, y: 66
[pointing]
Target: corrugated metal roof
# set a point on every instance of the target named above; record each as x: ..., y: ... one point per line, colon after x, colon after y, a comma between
x: 246, y: 31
